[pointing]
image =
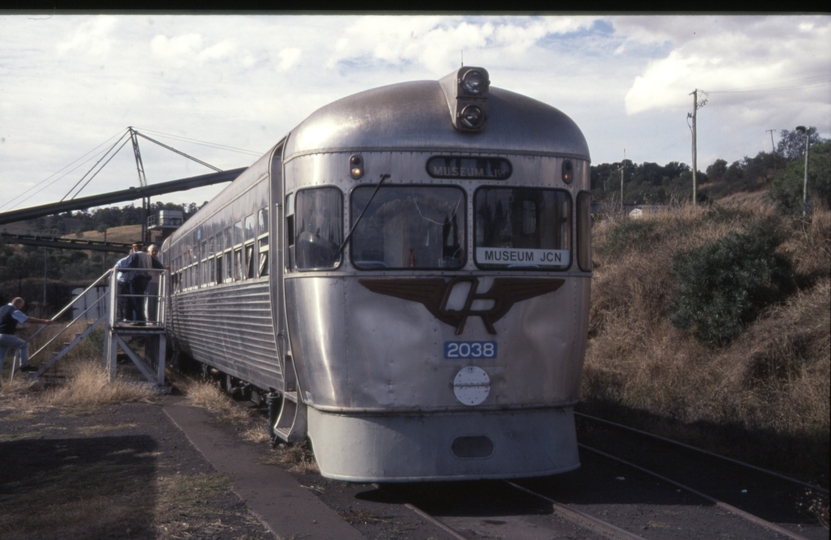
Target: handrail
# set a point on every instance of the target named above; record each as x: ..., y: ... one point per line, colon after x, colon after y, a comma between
x: 65, y: 328
x: 108, y: 274
x: 72, y: 303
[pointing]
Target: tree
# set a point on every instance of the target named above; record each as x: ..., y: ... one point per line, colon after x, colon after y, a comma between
x: 787, y: 186
x: 792, y: 143
x: 717, y: 170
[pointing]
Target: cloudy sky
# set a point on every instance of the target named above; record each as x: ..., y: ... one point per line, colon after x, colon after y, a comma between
x: 226, y: 88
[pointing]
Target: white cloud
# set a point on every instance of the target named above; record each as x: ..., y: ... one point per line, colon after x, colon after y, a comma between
x: 88, y: 38
x: 179, y: 48
x: 289, y: 58
x: 69, y: 82
x: 223, y: 49
x: 721, y: 55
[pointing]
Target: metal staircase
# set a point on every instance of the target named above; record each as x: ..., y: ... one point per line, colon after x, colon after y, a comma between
x: 103, y: 310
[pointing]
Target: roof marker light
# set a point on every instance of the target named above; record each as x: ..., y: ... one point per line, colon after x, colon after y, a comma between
x: 356, y: 166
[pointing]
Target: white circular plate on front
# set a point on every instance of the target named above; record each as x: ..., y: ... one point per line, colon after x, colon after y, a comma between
x: 471, y: 385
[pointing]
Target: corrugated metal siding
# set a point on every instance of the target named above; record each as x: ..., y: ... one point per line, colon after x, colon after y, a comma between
x: 229, y: 327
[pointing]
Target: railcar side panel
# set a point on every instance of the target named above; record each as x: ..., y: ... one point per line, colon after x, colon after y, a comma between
x: 221, y: 306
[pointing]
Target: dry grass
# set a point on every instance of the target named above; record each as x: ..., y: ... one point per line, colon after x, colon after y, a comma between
x: 124, y: 233
x: 251, y: 425
x: 86, y: 384
x: 296, y: 457
x: 773, y: 379
x: 87, y: 387
x: 207, y: 395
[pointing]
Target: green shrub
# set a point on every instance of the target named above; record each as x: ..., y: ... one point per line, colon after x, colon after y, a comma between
x: 722, y: 286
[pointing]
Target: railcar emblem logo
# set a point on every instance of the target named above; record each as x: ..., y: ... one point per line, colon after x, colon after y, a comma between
x: 434, y: 294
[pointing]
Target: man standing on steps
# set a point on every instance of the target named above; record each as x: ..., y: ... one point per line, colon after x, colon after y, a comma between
x: 10, y: 316
x: 139, y: 279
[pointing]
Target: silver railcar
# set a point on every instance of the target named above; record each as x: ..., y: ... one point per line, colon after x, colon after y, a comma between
x: 407, y: 272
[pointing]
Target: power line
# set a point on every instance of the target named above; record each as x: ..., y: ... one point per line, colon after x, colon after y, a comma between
x: 765, y: 88
x: 56, y: 172
x: 203, y: 143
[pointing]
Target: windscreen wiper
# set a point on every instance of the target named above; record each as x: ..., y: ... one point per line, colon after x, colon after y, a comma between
x: 348, y: 236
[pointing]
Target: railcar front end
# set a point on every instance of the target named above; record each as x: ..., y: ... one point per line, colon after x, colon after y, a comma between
x: 436, y: 274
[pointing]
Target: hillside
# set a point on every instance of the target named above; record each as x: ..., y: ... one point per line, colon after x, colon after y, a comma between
x: 761, y: 394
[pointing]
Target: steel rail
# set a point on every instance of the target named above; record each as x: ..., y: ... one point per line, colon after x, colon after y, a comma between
x: 443, y: 526
x: 730, y: 508
x: 705, y: 452
x: 581, y: 518
x: 424, y: 515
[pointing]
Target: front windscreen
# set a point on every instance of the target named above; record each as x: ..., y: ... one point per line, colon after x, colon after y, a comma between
x: 408, y: 227
x: 522, y: 227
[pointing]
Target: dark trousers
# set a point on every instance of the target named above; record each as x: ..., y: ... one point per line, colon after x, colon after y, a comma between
x: 125, y: 308
x: 137, y: 288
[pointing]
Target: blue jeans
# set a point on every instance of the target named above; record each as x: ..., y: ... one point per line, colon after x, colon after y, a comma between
x: 8, y: 341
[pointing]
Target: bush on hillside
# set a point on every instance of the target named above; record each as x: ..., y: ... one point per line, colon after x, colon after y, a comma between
x: 722, y: 286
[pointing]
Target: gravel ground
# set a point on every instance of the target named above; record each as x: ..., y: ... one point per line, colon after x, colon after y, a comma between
x: 122, y: 471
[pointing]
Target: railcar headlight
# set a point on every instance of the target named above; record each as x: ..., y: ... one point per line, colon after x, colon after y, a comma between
x: 466, y: 91
x: 473, y: 82
x: 568, y: 171
x: 356, y: 166
x: 472, y: 116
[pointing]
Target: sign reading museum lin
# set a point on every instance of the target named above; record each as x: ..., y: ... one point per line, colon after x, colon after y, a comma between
x: 523, y: 257
x: 478, y: 168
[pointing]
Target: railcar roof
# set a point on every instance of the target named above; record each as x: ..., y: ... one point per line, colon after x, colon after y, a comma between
x: 414, y: 116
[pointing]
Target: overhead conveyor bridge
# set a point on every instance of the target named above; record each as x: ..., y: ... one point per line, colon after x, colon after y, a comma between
x: 41, y: 240
x: 132, y: 194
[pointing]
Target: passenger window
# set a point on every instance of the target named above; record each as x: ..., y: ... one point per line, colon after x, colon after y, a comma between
x: 238, y: 266
x: 262, y: 241
x: 238, y: 233
x: 250, y: 227
x: 249, y: 261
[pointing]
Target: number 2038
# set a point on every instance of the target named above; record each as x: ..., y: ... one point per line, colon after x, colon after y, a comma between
x: 469, y: 349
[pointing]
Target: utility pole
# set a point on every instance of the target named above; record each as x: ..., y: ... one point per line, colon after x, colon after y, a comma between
x: 802, y: 129
x: 621, y: 185
x: 772, y: 148
x: 693, y: 115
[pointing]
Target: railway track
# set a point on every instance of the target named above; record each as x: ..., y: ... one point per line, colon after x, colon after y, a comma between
x: 626, y: 492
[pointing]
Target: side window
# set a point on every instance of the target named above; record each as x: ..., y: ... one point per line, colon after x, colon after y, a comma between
x: 239, y: 238
x: 250, y: 246
x: 204, y: 277
x: 219, y: 258
x: 262, y: 240
x: 289, y: 231
x: 228, y: 255
x: 318, y: 226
